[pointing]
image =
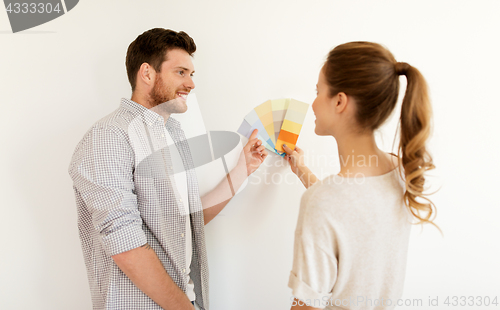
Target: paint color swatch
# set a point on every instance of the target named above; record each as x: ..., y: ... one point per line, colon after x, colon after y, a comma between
x: 292, y: 124
x: 265, y: 113
x: 279, y: 122
x: 252, y: 122
x: 279, y: 107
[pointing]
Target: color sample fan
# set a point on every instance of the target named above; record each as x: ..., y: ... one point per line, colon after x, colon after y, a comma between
x: 278, y: 121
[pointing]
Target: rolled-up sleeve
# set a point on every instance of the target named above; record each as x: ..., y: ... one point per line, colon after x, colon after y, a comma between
x: 314, y: 269
x: 102, y: 170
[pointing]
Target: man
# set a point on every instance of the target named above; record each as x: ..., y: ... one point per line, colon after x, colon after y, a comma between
x: 142, y: 225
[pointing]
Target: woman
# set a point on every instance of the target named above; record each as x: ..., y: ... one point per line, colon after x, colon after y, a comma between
x: 353, y: 229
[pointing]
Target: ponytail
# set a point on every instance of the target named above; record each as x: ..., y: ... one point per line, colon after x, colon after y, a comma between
x: 416, y: 115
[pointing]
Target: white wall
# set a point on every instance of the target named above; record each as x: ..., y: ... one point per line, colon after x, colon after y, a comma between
x: 59, y: 78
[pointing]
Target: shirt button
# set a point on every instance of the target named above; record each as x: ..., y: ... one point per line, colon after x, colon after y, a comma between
x: 183, y: 270
x: 180, y: 200
x: 162, y: 135
x: 182, y: 235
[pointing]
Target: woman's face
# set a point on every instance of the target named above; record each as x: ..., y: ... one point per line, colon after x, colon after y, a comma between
x: 323, y: 107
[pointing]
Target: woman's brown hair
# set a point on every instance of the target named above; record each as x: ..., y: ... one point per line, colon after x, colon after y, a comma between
x: 370, y: 74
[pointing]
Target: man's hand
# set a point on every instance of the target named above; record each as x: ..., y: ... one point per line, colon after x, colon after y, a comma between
x: 255, y: 153
x: 143, y: 267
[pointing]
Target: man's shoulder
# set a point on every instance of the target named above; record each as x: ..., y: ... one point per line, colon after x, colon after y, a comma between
x: 110, y: 131
x: 116, y: 124
x: 117, y: 121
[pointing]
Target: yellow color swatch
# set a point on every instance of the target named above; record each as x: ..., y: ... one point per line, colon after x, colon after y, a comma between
x: 265, y: 113
x: 291, y: 126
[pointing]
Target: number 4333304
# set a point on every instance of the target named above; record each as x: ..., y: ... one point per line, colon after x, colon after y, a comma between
x: 476, y: 301
x: 33, y: 8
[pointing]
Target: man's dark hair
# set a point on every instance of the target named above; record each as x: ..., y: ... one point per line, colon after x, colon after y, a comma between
x: 152, y: 46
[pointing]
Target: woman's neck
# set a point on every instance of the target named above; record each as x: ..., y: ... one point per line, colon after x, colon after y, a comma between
x: 360, y: 156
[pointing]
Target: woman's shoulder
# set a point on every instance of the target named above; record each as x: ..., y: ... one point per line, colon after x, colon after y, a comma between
x: 339, y: 196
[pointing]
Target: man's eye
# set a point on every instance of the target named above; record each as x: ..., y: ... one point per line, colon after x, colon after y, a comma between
x: 181, y: 72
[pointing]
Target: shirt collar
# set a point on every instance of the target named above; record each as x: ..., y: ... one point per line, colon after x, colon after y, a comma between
x: 149, y: 116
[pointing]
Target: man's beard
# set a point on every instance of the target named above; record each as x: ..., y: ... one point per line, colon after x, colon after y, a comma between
x: 162, y: 97
x: 160, y: 94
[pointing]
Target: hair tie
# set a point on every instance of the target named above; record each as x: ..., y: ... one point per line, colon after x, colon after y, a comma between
x: 402, y: 68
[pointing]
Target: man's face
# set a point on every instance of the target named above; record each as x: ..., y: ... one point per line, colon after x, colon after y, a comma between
x: 174, y: 82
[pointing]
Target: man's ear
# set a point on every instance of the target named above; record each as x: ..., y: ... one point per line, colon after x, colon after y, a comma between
x: 341, y: 102
x: 146, y: 74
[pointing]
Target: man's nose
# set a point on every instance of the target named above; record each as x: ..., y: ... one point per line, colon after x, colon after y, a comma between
x: 189, y: 83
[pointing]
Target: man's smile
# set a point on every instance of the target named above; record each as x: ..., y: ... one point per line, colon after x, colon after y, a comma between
x: 183, y: 95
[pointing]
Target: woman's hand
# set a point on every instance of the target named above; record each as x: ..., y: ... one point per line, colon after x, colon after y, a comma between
x: 295, y: 158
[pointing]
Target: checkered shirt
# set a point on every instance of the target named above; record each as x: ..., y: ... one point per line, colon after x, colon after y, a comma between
x: 126, y: 196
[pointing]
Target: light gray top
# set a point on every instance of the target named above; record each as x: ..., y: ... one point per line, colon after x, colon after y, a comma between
x: 351, y: 243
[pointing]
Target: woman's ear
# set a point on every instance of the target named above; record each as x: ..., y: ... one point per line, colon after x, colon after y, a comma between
x: 341, y: 101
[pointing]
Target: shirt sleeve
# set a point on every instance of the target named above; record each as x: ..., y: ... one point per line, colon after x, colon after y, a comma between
x: 314, y: 269
x: 102, y: 172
